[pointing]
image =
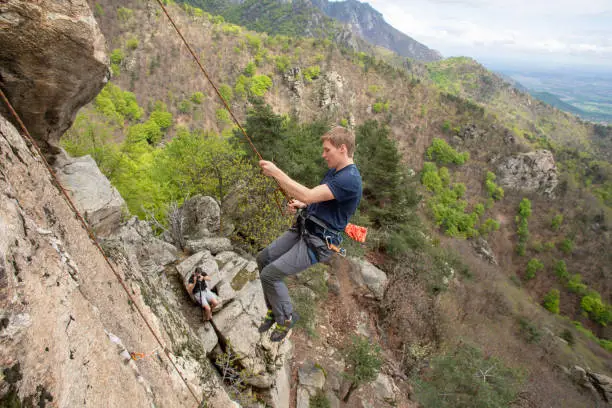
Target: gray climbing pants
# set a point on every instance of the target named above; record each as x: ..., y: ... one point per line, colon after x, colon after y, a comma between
x: 286, y: 256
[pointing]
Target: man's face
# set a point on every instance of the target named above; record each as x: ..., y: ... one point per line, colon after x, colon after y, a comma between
x: 333, y: 155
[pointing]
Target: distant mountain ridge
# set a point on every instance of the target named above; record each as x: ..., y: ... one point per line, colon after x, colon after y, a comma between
x: 350, y: 23
x: 369, y: 24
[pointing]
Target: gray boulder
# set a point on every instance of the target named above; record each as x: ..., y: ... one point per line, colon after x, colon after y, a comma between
x: 202, y: 217
x: 214, y: 244
x: 603, y: 385
x: 137, y: 243
x: 364, y: 273
x: 331, y: 90
x: 311, y: 379
x: 281, y: 392
x: 530, y: 172
x: 483, y: 249
x: 92, y: 193
x: 46, y: 86
x: 237, y: 323
x: 384, y: 389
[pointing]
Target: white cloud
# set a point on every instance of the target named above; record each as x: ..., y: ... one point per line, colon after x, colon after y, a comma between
x: 556, y: 30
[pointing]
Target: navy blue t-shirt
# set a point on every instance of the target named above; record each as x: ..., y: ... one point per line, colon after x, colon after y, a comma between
x: 345, y: 185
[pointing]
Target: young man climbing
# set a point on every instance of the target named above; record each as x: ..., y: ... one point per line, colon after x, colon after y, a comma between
x: 203, y: 296
x: 323, y: 212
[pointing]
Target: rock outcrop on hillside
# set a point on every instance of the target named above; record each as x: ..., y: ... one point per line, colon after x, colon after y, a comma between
x: 101, y: 203
x: 534, y: 172
x: 52, y: 61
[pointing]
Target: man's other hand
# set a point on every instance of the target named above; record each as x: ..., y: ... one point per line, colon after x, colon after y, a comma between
x: 294, y: 205
x: 269, y: 169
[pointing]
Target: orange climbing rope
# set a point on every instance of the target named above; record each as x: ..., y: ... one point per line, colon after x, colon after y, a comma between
x: 56, y: 181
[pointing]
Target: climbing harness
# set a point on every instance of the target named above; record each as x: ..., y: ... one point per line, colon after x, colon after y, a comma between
x: 315, y: 232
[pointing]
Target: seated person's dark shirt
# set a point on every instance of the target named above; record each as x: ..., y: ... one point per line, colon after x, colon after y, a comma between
x: 200, y: 285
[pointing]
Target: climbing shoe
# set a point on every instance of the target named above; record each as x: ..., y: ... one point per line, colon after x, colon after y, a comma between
x: 267, y: 323
x: 282, y: 330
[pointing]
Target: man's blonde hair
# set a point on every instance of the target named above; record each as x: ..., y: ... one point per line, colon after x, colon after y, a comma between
x: 339, y: 136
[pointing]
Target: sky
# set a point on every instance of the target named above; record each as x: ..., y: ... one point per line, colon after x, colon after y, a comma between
x: 542, y: 34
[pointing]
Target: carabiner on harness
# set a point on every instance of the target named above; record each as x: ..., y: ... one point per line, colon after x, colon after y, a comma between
x: 335, y: 248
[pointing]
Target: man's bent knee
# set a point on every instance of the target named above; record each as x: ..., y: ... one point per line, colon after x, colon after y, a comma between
x: 271, y: 274
x: 262, y: 259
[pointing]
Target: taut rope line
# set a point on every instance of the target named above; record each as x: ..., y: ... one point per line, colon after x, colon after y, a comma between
x: 197, y: 60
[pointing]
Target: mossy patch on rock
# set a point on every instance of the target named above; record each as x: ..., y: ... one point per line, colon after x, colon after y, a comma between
x: 242, y: 278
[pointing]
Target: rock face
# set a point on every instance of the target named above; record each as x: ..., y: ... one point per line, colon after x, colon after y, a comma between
x: 311, y: 379
x: 366, y: 274
x: 61, y: 300
x: 92, y: 193
x: 529, y: 172
x: 202, y: 217
x: 293, y: 77
x: 331, y: 89
x: 52, y: 61
x: 483, y: 249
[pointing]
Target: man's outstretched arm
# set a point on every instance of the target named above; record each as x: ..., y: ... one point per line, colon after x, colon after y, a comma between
x: 295, y: 189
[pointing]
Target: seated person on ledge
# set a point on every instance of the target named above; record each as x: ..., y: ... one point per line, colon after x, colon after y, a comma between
x: 199, y: 292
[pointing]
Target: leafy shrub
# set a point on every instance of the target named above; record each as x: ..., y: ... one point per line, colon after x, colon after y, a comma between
x: 282, y: 63
x: 197, y: 97
x: 364, y: 360
x: 533, y: 266
x: 260, y: 85
x: 311, y: 73
x: 250, y: 69
x: 551, y: 301
x: 568, y: 336
x: 319, y: 400
x: 556, y: 222
x: 380, y: 106
x: 132, y: 43
x: 494, y: 191
x: 115, y: 58
x: 575, y: 285
x: 117, y: 105
x: 561, y: 270
x: 441, y: 152
x: 430, y: 177
x: 447, y: 205
x: 223, y: 116
x: 242, y: 86
x: 566, y: 246
x: 597, y: 310
x: 530, y: 331
x: 254, y: 42
x: 124, y: 14
x: 488, y: 226
x: 185, y: 106
x: 465, y: 378
x: 523, y: 225
x: 226, y: 92
x: 148, y: 131
x: 163, y: 119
